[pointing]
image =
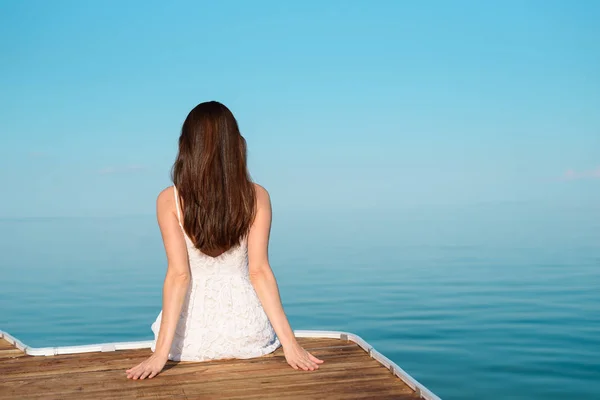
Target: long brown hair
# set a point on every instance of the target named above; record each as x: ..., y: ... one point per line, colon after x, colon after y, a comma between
x: 210, y: 173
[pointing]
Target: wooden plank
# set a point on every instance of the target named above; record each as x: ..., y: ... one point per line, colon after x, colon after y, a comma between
x: 4, y: 345
x: 102, y: 384
x: 275, y: 366
x: 348, y: 373
x: 11, y: 353
x: 128, y: 358
x: 7, y: 350
x: 311, y: 343
x: 19, y: 373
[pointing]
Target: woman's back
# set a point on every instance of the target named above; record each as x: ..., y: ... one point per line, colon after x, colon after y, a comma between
x: 230, y: 262
x: 221, y: 316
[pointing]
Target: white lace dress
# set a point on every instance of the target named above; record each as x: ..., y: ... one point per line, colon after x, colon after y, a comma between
x: 221, y: 316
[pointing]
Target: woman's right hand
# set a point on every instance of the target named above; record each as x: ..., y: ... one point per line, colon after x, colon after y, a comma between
x: 299, y: 358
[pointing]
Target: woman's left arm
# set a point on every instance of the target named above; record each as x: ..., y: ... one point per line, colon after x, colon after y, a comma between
x: 174, y: 289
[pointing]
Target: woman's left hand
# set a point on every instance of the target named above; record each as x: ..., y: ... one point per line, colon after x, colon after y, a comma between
x: 148, y: 368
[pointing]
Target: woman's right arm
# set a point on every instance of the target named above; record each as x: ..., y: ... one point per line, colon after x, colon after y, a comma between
x: 265, y: 285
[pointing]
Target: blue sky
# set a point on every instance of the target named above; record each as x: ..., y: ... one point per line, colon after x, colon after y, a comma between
x: 344, y: 104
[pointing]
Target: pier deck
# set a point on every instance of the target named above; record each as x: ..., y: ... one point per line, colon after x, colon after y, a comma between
x: 349, y: 372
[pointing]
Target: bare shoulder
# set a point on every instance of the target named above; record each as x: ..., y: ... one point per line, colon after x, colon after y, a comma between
x: 166, y: 199
x: 262, y: 196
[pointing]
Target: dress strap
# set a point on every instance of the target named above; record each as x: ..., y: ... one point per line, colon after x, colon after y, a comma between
x: 177, y: 204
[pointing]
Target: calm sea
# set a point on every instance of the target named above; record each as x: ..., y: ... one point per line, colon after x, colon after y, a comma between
x: 480, y: 302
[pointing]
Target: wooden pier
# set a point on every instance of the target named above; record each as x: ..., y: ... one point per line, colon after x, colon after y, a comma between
x: 349, y: 372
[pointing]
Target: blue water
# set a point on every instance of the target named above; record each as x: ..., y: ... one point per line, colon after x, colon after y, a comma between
x: 488, y: 301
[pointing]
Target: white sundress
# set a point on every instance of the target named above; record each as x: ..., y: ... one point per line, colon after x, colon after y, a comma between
x: 221, y: 316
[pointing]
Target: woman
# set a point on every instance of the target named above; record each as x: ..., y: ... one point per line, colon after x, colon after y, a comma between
x: 220, y: 297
